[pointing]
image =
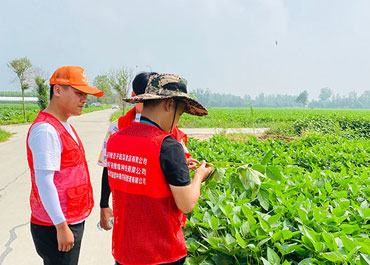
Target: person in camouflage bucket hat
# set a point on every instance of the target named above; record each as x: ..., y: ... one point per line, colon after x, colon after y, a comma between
x: 164, y: 86
x: 150, y: 201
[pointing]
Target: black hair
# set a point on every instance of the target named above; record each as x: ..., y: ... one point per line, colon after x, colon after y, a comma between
x: 51, y: 91
x: 140, y: 82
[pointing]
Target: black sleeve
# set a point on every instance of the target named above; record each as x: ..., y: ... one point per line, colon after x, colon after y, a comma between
x: 105, y: 189
x: 173, y: 163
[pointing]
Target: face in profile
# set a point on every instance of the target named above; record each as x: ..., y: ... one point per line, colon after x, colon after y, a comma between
x: 72, y: 100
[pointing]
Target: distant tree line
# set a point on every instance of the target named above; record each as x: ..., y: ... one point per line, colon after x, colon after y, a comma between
x: 327, y: 99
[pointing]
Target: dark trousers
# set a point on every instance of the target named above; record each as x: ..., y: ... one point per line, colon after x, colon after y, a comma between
x: 179, y: 262
x: 46, y: 243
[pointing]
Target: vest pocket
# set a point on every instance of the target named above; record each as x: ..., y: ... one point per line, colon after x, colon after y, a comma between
x: 77, y: 200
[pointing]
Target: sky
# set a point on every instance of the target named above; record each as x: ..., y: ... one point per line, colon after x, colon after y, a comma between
x: 228, y: 46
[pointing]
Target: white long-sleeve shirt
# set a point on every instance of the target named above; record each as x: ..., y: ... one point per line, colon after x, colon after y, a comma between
x: 46, y: 147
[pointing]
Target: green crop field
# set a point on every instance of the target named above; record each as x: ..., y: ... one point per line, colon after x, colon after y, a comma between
x: 263, y: 117
x: 12, y: 113
x: 286, y: 122
x: 277, y: 202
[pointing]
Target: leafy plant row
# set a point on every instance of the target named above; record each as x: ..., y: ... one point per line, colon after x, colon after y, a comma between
x: 351, y: 127
x: 302, y: 202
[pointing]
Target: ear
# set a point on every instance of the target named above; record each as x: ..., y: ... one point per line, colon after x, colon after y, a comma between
x: 57, y: 90
x: 168, y: 104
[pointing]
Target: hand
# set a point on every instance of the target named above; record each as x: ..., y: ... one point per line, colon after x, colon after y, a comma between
x: 192, y: 163
x: 204, y: 171
x: 105, y: 214
x: 65, y: 237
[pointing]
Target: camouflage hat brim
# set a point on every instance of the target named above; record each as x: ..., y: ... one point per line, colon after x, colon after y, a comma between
x: 192, y: 106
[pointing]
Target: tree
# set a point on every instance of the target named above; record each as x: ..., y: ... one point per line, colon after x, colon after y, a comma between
x: 192, y: 95
x: 102, y: 82
x: 42, y: 92
x: 325, y: 93
x: 302, y: 98
x: 119, y: 81
x: 22, y: 68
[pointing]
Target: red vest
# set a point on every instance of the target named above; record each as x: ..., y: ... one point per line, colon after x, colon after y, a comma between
x: 180, y: 136
x: 126, y: 119
x: 72, y: 181
x: 147, y: 223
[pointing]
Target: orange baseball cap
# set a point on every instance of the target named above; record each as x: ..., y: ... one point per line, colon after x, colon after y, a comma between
x: 75, y: 77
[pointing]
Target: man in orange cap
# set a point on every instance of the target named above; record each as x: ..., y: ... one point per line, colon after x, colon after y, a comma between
x: 61, y: 196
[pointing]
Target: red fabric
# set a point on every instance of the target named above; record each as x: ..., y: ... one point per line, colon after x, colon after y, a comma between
x: 72, y: 181
x: 127, y: 119
x: 147, y: 223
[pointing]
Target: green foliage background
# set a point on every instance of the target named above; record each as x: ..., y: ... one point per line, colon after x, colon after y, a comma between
x: 317, y: 212
x: 12, y: 113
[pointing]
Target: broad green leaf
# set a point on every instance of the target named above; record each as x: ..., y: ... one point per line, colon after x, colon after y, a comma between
x: 244, y: 229
x: 329, y: 241
x: 213, y: 196
x: 319, y: 246
x: 206, y: 217
x: 266, y: 262
x: 240, y: 240
x: 214, y: 241
x: 307, y: 261
x: 366, y: 213
x: 246, y: 211
x: 328, y: 187
x: 277, y: 235
x: 263, y: 199
x: 264, y: 225
x: 260, y: 168
x: 302, y: 215
x: 230, y: 240
x: 273, y: 172
x: 267, y: 157
x: 218, y: 173
x: 263, y: 241
x: 333, y: 256
x: 349, y: 245
x: 272, y: 257
x: 214, y: 222
x: 287, y: 234
x: 273, y: 219
x: 355, y: 188
x: 339, y: 212
x: 349, y: 229
x: 364, y: 205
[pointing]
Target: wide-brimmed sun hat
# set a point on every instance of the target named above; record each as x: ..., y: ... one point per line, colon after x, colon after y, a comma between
x: 164, y: 86
x: 75, y: 77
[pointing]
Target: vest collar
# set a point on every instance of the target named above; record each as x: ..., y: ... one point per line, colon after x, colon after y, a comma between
x: 148, y: 121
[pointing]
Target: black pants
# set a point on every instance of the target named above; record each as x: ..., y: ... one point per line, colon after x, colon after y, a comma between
x: 179, y: 262
x: 46, y: 243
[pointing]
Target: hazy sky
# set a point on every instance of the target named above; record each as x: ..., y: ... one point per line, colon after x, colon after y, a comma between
x: 228, y: 46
